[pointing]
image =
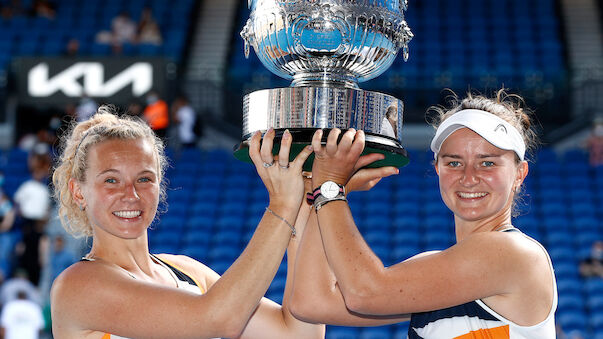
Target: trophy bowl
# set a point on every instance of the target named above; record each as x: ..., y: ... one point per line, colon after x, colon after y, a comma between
x: 326, y: 47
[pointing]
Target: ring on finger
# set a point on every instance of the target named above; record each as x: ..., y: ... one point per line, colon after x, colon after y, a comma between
x: 284, y: 167
x: 268, y: 164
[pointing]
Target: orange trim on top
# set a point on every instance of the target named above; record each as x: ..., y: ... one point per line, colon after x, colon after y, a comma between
x: 501, y: 332
x: 106, y: 336
x: 183, y: 271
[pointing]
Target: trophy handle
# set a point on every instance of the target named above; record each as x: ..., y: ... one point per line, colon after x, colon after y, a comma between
x: 247, y: 35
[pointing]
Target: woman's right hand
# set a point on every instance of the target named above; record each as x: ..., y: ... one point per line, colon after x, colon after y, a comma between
x: 364, y: 179
x: 282, y: 178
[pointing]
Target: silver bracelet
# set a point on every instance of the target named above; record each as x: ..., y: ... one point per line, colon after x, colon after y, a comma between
x: 283, y: 219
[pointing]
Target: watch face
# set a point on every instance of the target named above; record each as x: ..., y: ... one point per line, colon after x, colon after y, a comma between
x: 329, y: 189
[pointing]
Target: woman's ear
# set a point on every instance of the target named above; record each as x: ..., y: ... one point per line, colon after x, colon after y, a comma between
x: 522, y: 173
x: 76, y: 192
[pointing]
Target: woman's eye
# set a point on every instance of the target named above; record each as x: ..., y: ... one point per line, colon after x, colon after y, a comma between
x: 110, y: 181
x: 454, y: 164
x: 487, y: 163
x: 145, y: 179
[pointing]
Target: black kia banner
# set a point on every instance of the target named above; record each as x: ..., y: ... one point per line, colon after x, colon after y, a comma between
x: 55, y: 81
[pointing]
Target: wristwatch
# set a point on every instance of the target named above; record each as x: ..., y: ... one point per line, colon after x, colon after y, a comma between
x: 327, y: 192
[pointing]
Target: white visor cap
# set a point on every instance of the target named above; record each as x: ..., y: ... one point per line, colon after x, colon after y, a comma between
x: 495, y: 130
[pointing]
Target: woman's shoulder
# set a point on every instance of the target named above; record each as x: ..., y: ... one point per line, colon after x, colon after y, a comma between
x: 513, y: 247
x: 85, y: 275
x: 82, y: 283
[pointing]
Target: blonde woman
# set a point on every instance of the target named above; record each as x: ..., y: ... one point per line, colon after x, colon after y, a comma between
x: 108, y: 184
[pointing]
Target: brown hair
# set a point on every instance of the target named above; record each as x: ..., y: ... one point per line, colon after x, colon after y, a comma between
x: 509, y: 107
x: 104, y: 125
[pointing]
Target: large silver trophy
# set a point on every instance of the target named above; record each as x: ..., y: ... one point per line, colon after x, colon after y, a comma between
x: 327, y: 47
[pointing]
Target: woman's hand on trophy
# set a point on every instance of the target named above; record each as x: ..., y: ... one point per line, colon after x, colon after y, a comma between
x: 336, y: 162
x: 282, y: 178
x: 364, y: 179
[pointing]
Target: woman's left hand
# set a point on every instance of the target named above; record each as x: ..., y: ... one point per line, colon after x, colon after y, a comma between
x: 336, y: 162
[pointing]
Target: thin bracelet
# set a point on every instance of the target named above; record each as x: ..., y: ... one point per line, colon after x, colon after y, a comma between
x: 283, y: 219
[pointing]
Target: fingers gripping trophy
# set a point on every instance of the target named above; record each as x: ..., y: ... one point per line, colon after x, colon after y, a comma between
x: 326, y: 47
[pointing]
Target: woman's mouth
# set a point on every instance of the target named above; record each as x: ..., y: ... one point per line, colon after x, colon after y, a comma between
x: 471, y: 195
x: 127, y: 214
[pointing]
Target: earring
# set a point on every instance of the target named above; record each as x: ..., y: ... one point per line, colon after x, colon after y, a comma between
x: 82, y: 207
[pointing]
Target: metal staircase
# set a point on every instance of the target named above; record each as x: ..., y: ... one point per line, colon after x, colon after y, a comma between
x: 584, y: 36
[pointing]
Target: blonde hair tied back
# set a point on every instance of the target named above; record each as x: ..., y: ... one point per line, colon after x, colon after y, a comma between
x: 72, y: 163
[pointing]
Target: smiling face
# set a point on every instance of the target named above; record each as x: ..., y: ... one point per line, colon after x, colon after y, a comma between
x: 121, y: 189
x: 476, y: 178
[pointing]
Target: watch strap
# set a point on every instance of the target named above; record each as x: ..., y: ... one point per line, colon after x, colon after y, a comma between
x: 320, y: 201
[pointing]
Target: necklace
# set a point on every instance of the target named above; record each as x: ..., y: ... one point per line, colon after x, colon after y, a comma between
x: 504, y: 227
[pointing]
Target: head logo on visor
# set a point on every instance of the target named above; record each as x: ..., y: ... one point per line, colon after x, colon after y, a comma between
x: 495, y: 130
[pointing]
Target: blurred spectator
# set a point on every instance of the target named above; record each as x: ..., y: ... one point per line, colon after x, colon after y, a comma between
x: 60, y: 258
x: 7, y: 213
x: 135, y: 108
x: 72, y: 49
x: 19, y: 282
x: 186, y: 119
x: 43, y: 9
x: 148, y: 29
x: 33, y: 204
x: 593, y: 265
x: 123, y: 30
x: 7, y: 219
x: 86, y: 108
x: 156, y: 113
x: 21, y: 318
x: 594, y: 143
x: 14, y: 8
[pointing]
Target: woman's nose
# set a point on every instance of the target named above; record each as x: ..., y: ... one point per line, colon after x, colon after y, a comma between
x: 130, y: 192
x: 469, y: 177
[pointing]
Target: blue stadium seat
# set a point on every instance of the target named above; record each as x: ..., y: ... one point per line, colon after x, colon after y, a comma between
x: 559, y: 239
x: 596, y: 321
x: 564, y: 267
x: 381, y: 332
x: 196, y: 252
x: 438, y: 223
x: 196, y: 238
x: 375, y: 220
x: 586, y: 224
x: 593, y: 287
x: 569, y: 286
x: 586, y: 238
x: 224, y: 253
x: 570, y: 321
x: 403, y: 252
x: 200, y: 222
x: 220, y: 266
x: 166, y: 238
x: 337, y: 332
x: 406, y: 222
x: 594, y: 303
x: 226, y: 238
x: 583, y: 206
x: 434, y: 240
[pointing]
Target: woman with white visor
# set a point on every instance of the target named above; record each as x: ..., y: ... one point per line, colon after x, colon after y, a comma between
x: 495, y: 282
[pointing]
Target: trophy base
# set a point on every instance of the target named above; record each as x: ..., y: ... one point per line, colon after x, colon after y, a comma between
x: 395, y: 156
